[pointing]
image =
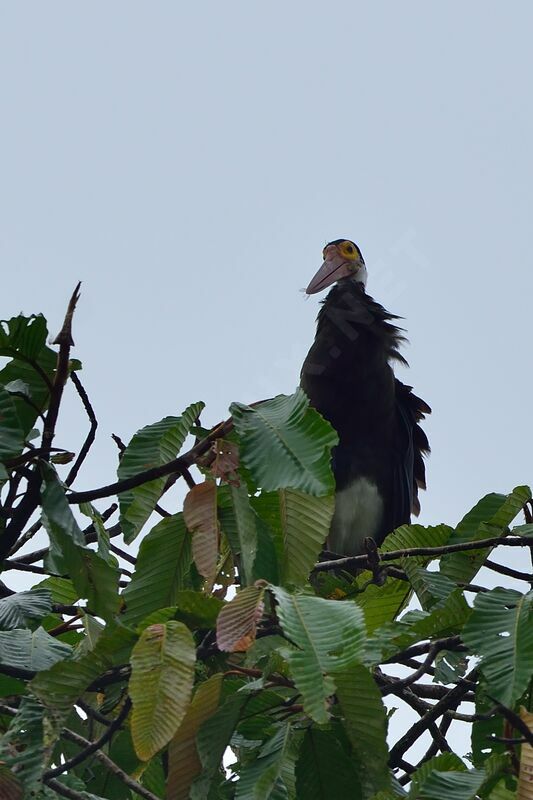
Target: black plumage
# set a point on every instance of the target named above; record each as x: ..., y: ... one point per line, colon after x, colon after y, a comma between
x: 348, y: 377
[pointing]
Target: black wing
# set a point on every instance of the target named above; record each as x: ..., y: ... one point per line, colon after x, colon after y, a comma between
x: 411, y: 445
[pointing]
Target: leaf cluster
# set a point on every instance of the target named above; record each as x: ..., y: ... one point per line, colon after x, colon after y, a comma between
x: 214, y: 652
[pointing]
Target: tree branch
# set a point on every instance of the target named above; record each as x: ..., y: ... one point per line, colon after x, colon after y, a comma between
x: 89, y: 439
x: 178, y: 465
x: 88, y: 747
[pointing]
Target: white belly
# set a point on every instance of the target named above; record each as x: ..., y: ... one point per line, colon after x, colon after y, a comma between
x: 358, y: 514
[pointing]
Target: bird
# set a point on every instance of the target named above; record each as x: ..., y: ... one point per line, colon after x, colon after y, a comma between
x: 348, y: 376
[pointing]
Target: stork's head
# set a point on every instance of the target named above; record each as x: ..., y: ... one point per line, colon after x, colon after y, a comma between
x: 342, y: 259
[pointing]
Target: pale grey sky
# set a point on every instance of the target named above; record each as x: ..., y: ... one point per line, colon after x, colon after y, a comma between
x: 188, y: 161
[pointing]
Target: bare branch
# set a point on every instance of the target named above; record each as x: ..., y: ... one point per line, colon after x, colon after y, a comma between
x: 178, y: 466
x: 82, y: 455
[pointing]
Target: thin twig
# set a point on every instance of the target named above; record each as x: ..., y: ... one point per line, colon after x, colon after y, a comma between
x: 65, y: 341
x: 122, y: 553
x: 410, y: 737
x: 509, y: 571
x: 26, y: 536
x: 434, y: 552
x: 64, y: 790
x: 414, y: 676
x: 89, y: 747
x: 89, y: 439
x: 178, y: 465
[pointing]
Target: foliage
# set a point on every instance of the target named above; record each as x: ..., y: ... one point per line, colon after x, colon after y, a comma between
x: 131, y: 672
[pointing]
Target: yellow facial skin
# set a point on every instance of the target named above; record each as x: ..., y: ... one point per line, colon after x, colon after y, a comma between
x: 347, y: 250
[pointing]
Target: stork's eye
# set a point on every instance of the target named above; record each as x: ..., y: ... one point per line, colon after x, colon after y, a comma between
x: 349, y: 248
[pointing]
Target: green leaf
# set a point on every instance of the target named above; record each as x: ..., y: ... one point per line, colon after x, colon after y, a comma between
x: 329, y: 635
x: 443, y: 762
x: 162, y: 567
x: 323, y: 770
x: 196, y: 609
x: 11, y: 433
x: 23, y: 336
x: 183, y: 761
x: 32, y: 650
x: 382, y: 604
x: 150, y: 447
x: 365, y: 720
x: 62, y: 590
x: 162, y: 674
x: 452, y: 785
x: 16, y: 609
x: 92, y: 576
x: 61, y: 685
x: 212, y: 740
x: 259, y: 777
x: 302, y: 525
x: 246, y: 529
x: 489, y: 517
x: 22, y: 747
x: 286, y: 444
x: 444, y: 619
x: 500, y: 630
x: 101, y: 531
x: 23, y: 339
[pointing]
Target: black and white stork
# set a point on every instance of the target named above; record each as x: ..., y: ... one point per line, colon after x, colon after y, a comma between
x: 347, y: 375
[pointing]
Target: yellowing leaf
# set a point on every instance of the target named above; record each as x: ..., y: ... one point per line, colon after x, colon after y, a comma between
x: 183, y: 761
x: 162, y: 674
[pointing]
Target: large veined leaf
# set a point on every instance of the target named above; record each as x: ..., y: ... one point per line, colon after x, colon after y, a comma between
x: 489, y: 517
x: 286, y: 444
x: 183, y: 761
x: 11, y: 433
x: 162, y: 674
x: 22, y: 747
x: 32, y: 650
x: 246, y: 529
x: 92, y: 576
x: 23, y: 339
x: 61, y: 685
x: 212, y: 740
x: 200, y: 515
x: 365, y: 720
x: 323, y: 770
x: 500, y: 630
x: 237, y: 621
x: 61, y: 589
x: 444, y: 762
x: 258, y: 778
x: 415, y: 626
x: 150, y: 447
x: 196, y: 609
x: 17, y: 609
x: 452, y: 785
x: 162, y: 566
x: 328, y: 635
x: 302, y: 522
x: 382, y: 604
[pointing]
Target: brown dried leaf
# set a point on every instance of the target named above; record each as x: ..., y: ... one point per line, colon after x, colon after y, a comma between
x: 200, y: 515
x: 226, y: 462
x: 237, y: 622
